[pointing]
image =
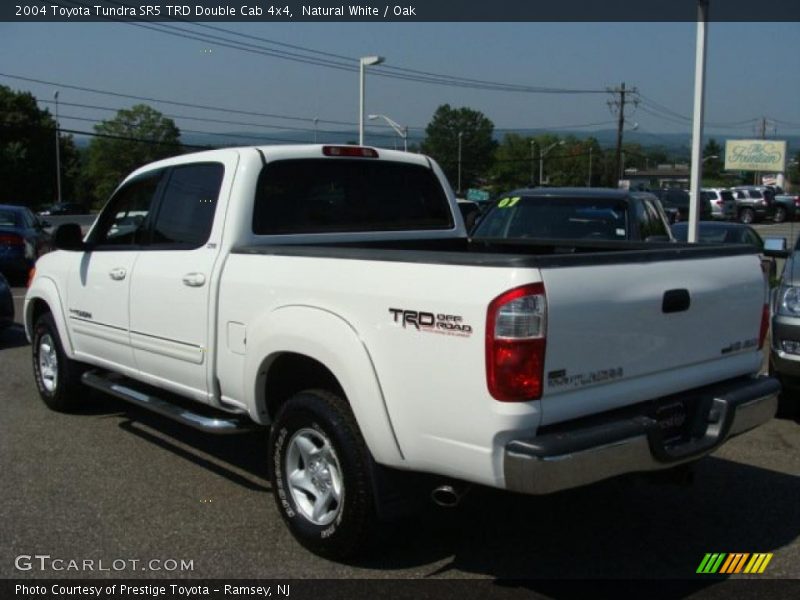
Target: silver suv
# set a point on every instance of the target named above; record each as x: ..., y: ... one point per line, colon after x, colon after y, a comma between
x: 753, y: 203
x: 723, y: 204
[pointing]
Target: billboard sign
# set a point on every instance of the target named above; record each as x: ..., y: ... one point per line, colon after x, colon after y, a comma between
x: 755, y: 155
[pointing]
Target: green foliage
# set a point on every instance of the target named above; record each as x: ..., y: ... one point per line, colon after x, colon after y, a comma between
x: 28, y: 153
x: 712, y: 167
x: 136, y: 137
x: 477, y: 144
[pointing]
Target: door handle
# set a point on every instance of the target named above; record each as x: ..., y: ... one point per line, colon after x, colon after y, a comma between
x: 117, y: 274
x: 194, y: 279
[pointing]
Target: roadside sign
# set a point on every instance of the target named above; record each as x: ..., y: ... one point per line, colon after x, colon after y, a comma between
x: 755, y: 155
x: 477, y: 195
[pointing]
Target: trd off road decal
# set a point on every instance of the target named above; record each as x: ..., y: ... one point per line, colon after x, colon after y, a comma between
x: 431, y: 322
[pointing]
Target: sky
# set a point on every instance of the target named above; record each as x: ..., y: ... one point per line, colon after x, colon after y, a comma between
x: 753, y: 71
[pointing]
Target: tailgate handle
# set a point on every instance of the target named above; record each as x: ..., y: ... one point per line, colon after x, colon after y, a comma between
x: 675, y: 301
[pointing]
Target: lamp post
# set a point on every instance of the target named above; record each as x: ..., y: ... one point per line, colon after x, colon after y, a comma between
x: 58, y: 152
x: 533, y: 168
x: 460, y: 135
x: 365, y: 61
x: 401, y: 130
x: 542, y: 154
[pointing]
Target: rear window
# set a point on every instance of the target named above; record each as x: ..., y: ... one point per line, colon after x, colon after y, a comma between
x: 556, y: 218
x: 726, y: 196
x: 342, y: 195
x: 756, y: 194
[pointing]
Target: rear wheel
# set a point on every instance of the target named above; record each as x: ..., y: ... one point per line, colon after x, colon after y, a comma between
x: 321, y: 474
x: 780, y: 214
x: 58, y: 378
x: 747, y: 216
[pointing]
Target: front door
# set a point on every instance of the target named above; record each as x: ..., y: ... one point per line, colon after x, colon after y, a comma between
x: 99, y: 280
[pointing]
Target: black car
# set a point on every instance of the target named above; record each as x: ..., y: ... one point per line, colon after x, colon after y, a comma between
x: 575, y: 214
x: 64, y: 208
x: 676, y: 204
x: 6, y: 304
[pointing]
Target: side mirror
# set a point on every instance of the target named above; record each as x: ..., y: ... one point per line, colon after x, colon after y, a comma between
x: 69, y: 237
x: 776, y: 248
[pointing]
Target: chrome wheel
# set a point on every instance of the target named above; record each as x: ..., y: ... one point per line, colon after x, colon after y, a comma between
x: 314, y: 476
x: 48, y: 363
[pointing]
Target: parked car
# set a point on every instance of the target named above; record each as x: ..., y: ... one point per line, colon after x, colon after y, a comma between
x: 787, y: 207
x: 753, y: 203
x: 575, y: 214
x: 784, y: 360
x: 23, y: 239
x: 6, y: 303
x: 723, y: 204
x: 64, y: 208
x: 676, y: 204
x: 330, y: 296
x: 728, y: 233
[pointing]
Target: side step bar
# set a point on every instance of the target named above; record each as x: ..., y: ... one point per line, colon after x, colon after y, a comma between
x: 122, y: 388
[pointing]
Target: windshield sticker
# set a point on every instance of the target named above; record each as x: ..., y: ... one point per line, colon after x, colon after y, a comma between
x: 508, y: 202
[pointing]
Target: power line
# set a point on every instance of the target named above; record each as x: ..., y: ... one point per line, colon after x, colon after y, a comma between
x: 341, y: 62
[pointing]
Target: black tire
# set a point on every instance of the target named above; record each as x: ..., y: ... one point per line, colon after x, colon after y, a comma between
x: 320, y: 417
x: 747, y: 216
x: 58, y: 378
x: 780, y: 214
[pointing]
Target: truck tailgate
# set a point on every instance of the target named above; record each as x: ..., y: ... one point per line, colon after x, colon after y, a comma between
x: 619, y: 334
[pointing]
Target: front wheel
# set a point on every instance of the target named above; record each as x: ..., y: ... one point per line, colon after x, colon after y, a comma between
x: 780, y: 214
x: 747, y: 216
x: 321, y: 474
x: 58, y: 378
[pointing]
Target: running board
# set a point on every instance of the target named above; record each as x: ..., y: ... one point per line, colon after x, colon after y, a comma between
x: 122, y: 388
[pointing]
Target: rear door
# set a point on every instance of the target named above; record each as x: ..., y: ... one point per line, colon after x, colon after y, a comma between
x: 172, y: 282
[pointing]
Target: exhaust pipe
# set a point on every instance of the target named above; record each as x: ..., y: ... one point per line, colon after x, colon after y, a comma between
x: 448, y: 496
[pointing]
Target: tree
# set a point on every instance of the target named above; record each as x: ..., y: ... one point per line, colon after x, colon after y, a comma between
x: 28, y: 153
x: 515, y: 163
x: 477, y: 145
x: 131, y: 139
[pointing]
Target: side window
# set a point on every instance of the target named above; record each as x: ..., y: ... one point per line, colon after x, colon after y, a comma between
x: 124, y: 220
x: 187, y: 208
x: 650, y: 223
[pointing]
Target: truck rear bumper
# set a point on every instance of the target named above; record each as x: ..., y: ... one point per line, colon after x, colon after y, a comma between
x: 645, y: 437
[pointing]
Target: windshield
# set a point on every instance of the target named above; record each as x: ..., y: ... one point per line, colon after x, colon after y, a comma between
x: 556, y: 217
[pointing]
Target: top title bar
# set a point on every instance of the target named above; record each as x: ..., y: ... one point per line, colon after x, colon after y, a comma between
x: 402, y: 11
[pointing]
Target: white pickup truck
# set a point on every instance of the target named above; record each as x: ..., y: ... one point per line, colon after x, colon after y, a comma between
x: 331, y: 295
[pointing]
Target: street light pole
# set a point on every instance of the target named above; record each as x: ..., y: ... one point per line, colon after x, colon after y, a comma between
x: 542, y: 154
x: 58, y: 152
x: 696, y: 176
x: 460, y: 134
x: 363, y: 63
x: 400, y: 130
x: 533, y: 144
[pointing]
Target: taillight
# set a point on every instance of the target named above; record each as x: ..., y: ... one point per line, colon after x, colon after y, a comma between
x: 762, y: 334
x: 358, y: 151
x: 516, y: 324
x: 31, y: 275
x: 11, y: 239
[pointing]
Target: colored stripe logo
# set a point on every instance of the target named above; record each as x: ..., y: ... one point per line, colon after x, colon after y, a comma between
x: 738, y: 562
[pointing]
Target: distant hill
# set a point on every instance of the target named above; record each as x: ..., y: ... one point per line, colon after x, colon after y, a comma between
x: 673, y: 143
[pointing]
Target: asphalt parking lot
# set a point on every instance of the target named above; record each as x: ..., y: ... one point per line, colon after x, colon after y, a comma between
x: 114, y: 482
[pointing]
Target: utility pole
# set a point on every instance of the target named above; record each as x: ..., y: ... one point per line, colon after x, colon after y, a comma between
x: 58, y: 151
x: 763, y: 136
x: 619, y: 106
